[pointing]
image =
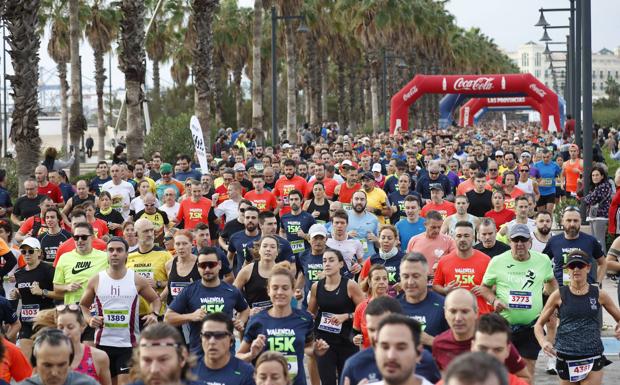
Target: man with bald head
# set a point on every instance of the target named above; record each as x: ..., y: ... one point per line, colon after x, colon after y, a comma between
x: 149, y: 261
x: 158, y: 218
x: 461, y: 312
x: 80, y: 197
x: 45, y: 187
x: 434, y: 175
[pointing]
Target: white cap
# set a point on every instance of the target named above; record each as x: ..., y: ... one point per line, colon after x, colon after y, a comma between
x: 239, y: 167
x: 32, y: 242
x: 376, y: 167
x: 286, y: 146
x: 317, y: 229
x: 499, y: 153
x: 346, y: 162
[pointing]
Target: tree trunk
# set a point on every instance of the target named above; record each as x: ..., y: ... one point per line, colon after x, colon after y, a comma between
x: 374, y: 92
x: 352, y: 107
x: 156, y: 83
x: 77, y: 121
x: 365, y: 99
x: 291, y: 86
x: 203, y: 11
x: 218, y: 96
x: 257, y: 84
x: 21, y: 18
x: 323, y: 91
x: 307, y: 103
x: 64, y: 110
x: 100, y: 83
x: 313, y: 82
x: 238, y: 95
x: 132, y: 63
x: 343, y: 115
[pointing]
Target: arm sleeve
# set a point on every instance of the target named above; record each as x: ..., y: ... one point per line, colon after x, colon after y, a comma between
x: 9, y: 261
x: 180, y: 303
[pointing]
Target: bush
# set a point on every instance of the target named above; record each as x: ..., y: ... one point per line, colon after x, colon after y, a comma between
x: 606, y: 116
x: 170, y: 136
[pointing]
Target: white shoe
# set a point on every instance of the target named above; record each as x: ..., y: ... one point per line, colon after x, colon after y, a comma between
x: 551, y: 366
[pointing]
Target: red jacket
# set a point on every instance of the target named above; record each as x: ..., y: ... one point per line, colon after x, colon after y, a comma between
x: 613, y: 212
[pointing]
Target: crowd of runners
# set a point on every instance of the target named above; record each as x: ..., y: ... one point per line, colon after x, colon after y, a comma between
x: 408, y: 259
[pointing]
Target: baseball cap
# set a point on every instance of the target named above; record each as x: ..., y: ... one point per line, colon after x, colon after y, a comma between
x: 346, y: 162
x: 499, y: 153
x: 401, y: 164
x: 575, y: 258
x: 376, y: 167
x: 165, y: 168
x: 286, y: 146
x: 368, y: 175
x: 520, y: 230
x: 526, y: 154
x: 32, y: 242
x: 317, y: 229
x: 435, y: 186
x: 239, y: 167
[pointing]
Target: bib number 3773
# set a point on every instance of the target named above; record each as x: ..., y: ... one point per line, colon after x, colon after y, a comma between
x: 520, y: 299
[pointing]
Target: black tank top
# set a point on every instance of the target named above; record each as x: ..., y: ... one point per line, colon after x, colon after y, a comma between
x: 78, y: 201
x: 176, y: 283
x: 579, y: 317
x: 323, y: 209
x: 333, y: 302
x: 255, y: 290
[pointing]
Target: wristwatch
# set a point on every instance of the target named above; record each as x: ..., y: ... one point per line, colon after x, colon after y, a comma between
x: 158, y: 284
x: 44, y: 293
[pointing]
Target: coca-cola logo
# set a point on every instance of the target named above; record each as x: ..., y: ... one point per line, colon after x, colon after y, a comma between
x: 478, y: 84
x: 412, y: 91
x: 537, y: 90
x: 506, y: 100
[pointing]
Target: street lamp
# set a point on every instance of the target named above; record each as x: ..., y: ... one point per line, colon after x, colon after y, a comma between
x: 400, y: 63
x: 274, y: 71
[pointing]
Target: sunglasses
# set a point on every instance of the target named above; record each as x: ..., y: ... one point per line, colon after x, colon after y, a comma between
x: 28, y: 251
x: 70, y: 307
x: 81, y: 237
x: 520, y: 240
x: 578, y: 265
x: 492, y: 169
x: 209, y: 264
x: 217, y: 335
x: 167, y: 239
x: 570, y: 208
x: 149, y: 205
x: 524, y: 170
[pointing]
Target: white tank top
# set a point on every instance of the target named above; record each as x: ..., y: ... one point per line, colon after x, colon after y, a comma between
x: 527, y: 187
x: 117, y: 302
x: 537, y: 245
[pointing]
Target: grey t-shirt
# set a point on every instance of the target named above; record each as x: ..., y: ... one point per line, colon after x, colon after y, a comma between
x: 74, y: 378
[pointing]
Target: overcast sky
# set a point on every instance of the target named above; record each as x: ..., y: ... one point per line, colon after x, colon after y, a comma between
x: 509, y: 23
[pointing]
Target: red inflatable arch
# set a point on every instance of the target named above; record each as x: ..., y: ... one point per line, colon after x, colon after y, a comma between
x: 497, y: 85
x: 468, y: 111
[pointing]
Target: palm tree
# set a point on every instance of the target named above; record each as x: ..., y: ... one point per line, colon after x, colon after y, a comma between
x: 101, y: 30
x: 132, y: 63
x: 257, y: 89
x: 202, y: 15
x: 21, y: 18
x: 77, y: 121
x: 59, y: 51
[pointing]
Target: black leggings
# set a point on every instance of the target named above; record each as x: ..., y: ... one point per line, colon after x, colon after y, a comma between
x: 330, y: 365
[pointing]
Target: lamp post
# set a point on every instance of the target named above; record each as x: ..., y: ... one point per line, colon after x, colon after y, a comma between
x: 586, y: 85
x: 400, y: 64
x: 274, y: 71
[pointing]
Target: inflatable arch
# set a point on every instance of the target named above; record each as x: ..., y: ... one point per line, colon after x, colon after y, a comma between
x: 483, y: 111
x: 471, y: 108
x: 476, y: 85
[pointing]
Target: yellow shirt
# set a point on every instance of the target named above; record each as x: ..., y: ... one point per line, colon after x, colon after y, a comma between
x: 151, y: 183
x: 150, y: 265
x: 217, y: 182
x: 502, y: 169
x: 377, y: 199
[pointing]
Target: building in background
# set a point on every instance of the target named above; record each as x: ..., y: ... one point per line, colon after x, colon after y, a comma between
x: 530, y: 58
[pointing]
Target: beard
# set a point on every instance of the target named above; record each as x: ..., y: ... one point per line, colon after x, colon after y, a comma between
x: 358, y: 208
x: 544, y: 230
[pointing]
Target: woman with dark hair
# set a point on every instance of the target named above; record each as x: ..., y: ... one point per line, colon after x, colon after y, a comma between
x: 119, y: 156
x: 598, y: 201
x: 51, y: 163
x: 106, y: 213
x: 317, y: 204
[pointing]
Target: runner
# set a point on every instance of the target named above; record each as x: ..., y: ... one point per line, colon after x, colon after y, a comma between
x: 195, y: 209
x: 284, y: 186
x: 115, y: 293
x: 389, y: 256
x: 317, y: 203
x: 376, y: 286
x: 209, y: 295
x: 418, y: 302
x: 261, y: 198
x: 122, y: 192
x: 351, y: 249
x: 52, y: 357
x: 480, y: 197
x: 149, y: 261
x: 54, y: 236
x: 549, y: 171
x: 412, y: 224
x: 332, y: 301
x: 271, y: 369
x: 101, y: 178
x: 34, y: 286
x: 282, y: 329
x: 362, y: 225
x: 437, y: 203
x: 182, y: 269
x: 218, y: 364
x: 34, y: 225
x: 77, y: 216
x: 464, y: 267
x: 242, y: 242
x: 579, y: 360
x: 82, y: 195
x: 462, y: 205
x: 252, y: 279
x: 500, y: 214
x: 487, y: 235
x: 310, y: 263
x: 296, y: 223
x: 514, y: 284
x: 113, y: 219
x: 344, y: 192
x: 432, y: 243
x: 542, y: 232
x: 87, y: 360
x: 163, y: 344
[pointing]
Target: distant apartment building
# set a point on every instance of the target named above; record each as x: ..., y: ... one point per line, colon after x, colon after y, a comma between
x: 530, y: 58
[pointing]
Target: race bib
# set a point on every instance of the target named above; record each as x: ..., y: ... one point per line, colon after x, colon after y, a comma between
x: 146, y: 273
x: 292, y: 365
x: 261, y: 305
x: 93, y: 309
x: 29, y: 312
x: 579, y: 369
x: 364, y: 245
x: 520, y: 299
x: 546, y: 182
x: 115, y: 318
x: 328, y: 323
x: 177, y: 287
x: 298, y: 246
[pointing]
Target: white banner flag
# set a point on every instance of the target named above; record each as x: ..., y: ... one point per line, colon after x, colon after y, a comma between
x: 199, y: 144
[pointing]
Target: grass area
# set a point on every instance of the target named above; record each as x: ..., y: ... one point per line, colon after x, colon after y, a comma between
x: 612, y: 165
